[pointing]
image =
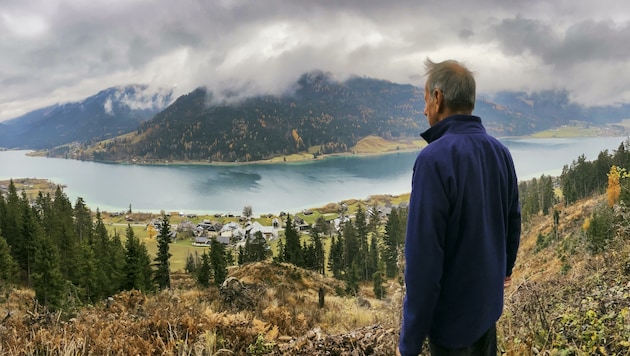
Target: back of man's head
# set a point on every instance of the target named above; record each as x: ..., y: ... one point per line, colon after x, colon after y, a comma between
x: 455, y: 81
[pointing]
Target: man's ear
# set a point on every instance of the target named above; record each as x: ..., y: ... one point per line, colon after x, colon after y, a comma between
x: 439, y: 99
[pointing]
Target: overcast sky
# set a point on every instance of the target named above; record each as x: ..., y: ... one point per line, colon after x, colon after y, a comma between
x: 55, y: 51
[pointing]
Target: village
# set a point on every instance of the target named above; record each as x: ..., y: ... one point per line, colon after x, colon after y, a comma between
x: 234, y: 230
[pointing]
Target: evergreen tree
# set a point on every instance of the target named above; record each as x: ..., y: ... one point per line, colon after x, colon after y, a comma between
x: 373, y: 260
x: 138, y: 272
x: 393, y: 238
x: 314, y: 257
x: 547, y: 194
x: 101, y: 249
x: 217, y: 259
x: 163, y: 274
x: 350, y: 248
x: 379, y: 289
x: 318, y: 250
x: 292, y: 247
x: 204, y: 271
x: 87, y: 274
x: 229, y: 257
x: 599, y: 228
x: 11, y: 222
x: 360, y: 223
x: 308, y: 256
x: 256, y: 249
x: 280, y: 256
x: 352, y: 278
x: 115, y: 263
x: 241, y: 255
x: 321, y: 226
x: 48, y: 280
x: 8, y: 267
x: 335, y: 256
x: 64, y: 236
x: 191, y: 265
x: 30, y: 231
x: 83, y: 221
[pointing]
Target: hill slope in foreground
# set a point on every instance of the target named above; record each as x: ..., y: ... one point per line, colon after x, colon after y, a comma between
x: 562, y: 300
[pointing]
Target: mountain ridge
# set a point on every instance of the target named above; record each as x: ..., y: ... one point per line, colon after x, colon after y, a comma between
x: 108, y: 113
x: 319, y: 115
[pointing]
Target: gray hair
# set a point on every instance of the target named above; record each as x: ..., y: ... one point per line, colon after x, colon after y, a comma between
x: 454, y: 80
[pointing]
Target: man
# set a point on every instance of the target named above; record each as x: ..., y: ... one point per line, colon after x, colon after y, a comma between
x: 464, y: 224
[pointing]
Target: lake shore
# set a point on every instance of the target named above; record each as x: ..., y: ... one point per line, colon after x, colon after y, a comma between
x: 368, y: 146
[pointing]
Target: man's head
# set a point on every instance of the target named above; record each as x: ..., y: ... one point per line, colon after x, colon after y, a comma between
x: 449, y: 90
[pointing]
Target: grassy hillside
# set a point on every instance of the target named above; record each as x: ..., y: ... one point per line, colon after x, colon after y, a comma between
x: 563, y: 300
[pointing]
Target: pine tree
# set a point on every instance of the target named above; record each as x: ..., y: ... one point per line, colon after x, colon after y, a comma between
x: 374, y: 252
x: 83, y: 221
x: 8, y: 267
x: 322, y: 226
x: 242, y: 259
x: 87, y: 274
x: 547, y: 194
x: 392, y: 243
x: 314, y: 256
x: 48, y: 280
x: 350, y: 248
x: 115, y: 262
x: 292, y: 247
x: 362, y: 237
x: 335, y: 256
x: 191, y: 265
x: 379, y: 289
x: 11, y: 222
x: 352, y: 278
x: 320, y: 256
x: 217, y: 259
x: 138, y: 272
x: 281, y: 252
x: 30, y: 232
x: 258, y: 248
x: 103, y: 253
x: 12, y: 211
x: 163, y: 273
x: 204, y: 271
x: 64, y: 235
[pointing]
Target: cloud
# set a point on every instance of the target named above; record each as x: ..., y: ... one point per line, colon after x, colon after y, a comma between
x: 55, y: 51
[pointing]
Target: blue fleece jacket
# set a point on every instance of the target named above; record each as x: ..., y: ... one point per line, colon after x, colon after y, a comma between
x: 463, y: 232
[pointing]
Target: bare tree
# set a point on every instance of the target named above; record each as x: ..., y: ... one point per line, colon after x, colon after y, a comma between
x: 247, y: 211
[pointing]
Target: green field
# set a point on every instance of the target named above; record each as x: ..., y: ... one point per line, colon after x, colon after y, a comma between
x: 179, y: 249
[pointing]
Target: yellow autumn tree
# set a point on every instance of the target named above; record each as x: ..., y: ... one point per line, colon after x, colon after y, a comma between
x: 614, y: 187
x: 151, y: 231
x: 297, y: 138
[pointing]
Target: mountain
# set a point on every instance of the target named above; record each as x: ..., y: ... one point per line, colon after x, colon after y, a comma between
x: 553, y: 108
x: 109, y: 113
x: 319, y: 114
x: 325, y: 116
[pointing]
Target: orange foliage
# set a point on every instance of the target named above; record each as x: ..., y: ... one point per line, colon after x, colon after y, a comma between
x: 614, y: 188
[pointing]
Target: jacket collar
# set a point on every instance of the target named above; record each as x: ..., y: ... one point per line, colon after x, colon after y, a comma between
x: 454, y: 124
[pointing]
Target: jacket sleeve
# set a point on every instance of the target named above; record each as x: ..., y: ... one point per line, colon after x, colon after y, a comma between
x: 424, y: 253
x: 514, y: 227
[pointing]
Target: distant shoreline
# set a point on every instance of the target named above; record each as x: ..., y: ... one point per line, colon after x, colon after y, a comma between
x: 369, y: 146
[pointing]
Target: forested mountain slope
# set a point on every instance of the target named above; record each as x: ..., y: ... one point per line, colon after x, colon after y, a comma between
x: 319, y: 113
x: 109, y: 113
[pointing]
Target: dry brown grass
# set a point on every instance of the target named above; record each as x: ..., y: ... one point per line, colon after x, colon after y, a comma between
x: 189, y: 321
x: 562, y: 301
